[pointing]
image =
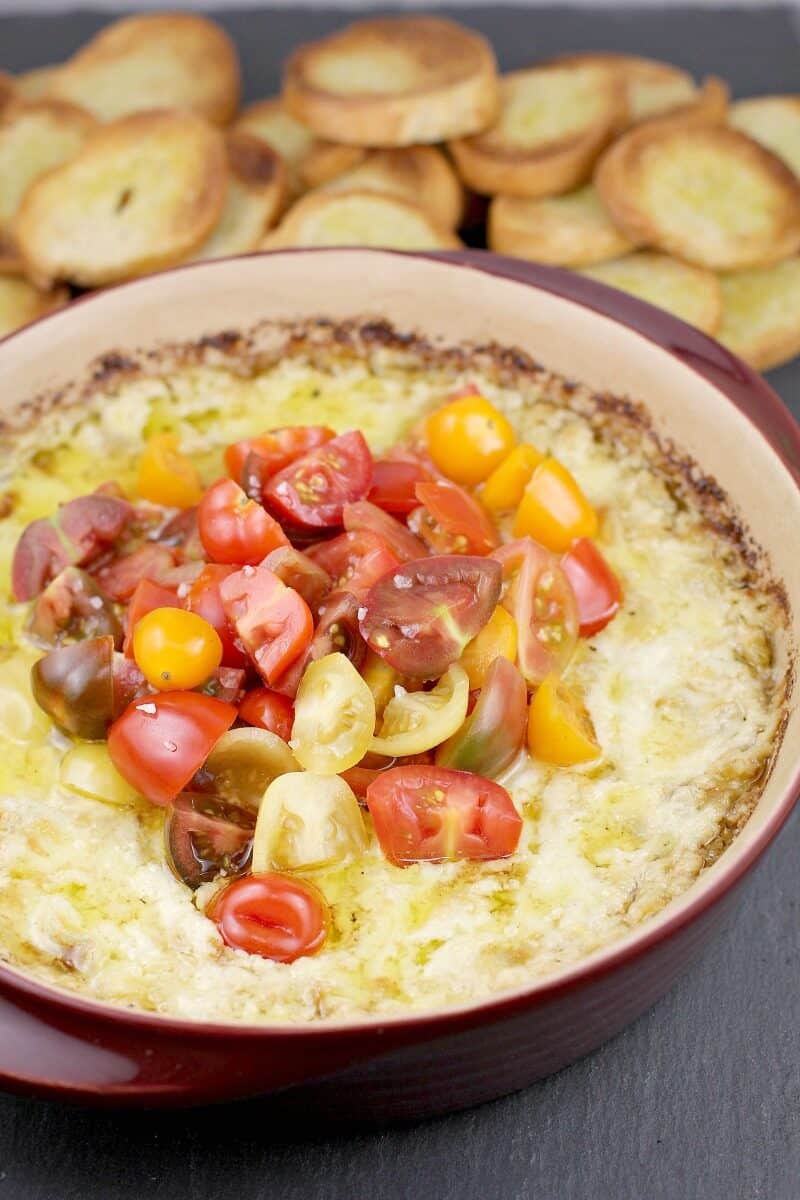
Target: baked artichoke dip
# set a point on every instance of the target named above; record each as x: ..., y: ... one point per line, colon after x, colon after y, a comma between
x: 343, y: 675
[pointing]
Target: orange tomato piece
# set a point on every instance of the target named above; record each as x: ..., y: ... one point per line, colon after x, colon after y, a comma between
x: 553, y: 510
x: 468, y: 438
x: 497, y: 639
x: 166, y: 476
x: 176, y: 650
x: 504, y: 487
x: 559, y: 729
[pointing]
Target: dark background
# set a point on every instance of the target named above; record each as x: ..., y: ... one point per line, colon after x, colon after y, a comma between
x: 701, y: 1097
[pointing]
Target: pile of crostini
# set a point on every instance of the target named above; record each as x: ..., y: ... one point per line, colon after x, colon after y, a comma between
x: 135, y: 155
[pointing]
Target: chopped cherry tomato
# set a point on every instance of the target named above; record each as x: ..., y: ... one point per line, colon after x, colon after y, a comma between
x: 71, y: 608
x: 504, y: 488
x: 160, y: 741
x: 393, y: 483
x: 553, y: 509
x: 148, y: 596
x: 451, y: 522
x: 421, y: 616
x: 468, y: 438
x: 119, y: 578
x: 498, y: 638
x: 595, y: 585
x: 337, y: 633
x: 227, y: 683
x: 312, y: 491
x: 380, y: 678
x: 166, y: 476
x: 273, y: 622
x: 434, y: 814
x: 414, y: 722
x: 334, y: 716
x: 92, y: 523
x: 300, y: 572
x: 206, y: 837
x: 39, y: 556
x: 242, y: 765
x: 182, y: 533
x: 234, y: 528
x: 559, y: 729
x: 204, y: 599
x: 74, y: 685
x: 305, y: 822
x: 268, y: 710
x: 275, y: 449
x: 368, y: 517
x: 539, y: 596
x: 494, y: 733
x: 176, y: 650
x: 355, y: 561
x: 79, y: 531
x: 274, y: 916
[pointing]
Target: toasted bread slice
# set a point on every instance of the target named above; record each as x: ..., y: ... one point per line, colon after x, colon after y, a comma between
x: 420, y: 174
x: 359, y: 219
x: 309, y: 160
x: 553, y: 123
x: 34, y: 138
x: 155, y: 60
x: 761, y: 314
x: 774, y: 121
x: 10, y: 261
x: 144, y: 192
x: 36, y: 84
x: 691, y: 293
x: 394, y: 81
x: 566, y: 231
x: 652, y: 87
x: 9, y: 90
x: 21, y: 302
x: 703, y: 192
x: 255, y: 198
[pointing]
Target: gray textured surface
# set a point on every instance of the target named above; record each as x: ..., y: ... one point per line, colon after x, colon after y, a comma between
x: 701, y: 1097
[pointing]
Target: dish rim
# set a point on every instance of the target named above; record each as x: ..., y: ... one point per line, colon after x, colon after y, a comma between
x: 771, y: 420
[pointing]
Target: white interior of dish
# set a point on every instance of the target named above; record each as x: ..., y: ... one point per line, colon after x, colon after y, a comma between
x: 457, y: 304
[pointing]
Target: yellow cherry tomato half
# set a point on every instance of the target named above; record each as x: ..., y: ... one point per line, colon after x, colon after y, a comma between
x: 468, y: 438
x: 559, y: 729
x: 334, y: 716
x: 166, y: 476
x: 553, y: 510
x: 176, y: 650
x: 497, y: 639
x: 380, y: 678
x: 504, y: 487
x: 414, y: 722
x: 305, y: 822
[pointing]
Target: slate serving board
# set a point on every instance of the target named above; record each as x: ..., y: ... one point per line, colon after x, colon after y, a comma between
x: 701, y: 1097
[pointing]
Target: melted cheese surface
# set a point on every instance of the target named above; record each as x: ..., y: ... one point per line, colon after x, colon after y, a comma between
x: 682, y: 687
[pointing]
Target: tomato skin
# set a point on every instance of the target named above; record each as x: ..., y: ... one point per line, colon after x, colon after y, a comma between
x: 494, y: 733
x: 275, y: 916
x: 74, y: 685
x: 300, y: 572
x: 468, y: 438
x: 273, y: 622
x: 505, y: 486
x: 355, y: 561
x: 540, y: 598
x: 205, y: 836
x: 393, y: 483
x: 275, y: 449
x: 268, y: 710
x: 148, y: 596
x: 204, y: 599
x: 597, y: 589
x: 452, y: 522
x: 234, y: 528
x: 367, y: 517
x: 166, y: 476
x: 160, y: 741
x: 553, y: 509
x: 435, y: 814
x: 337, y: 632
x: 498, y: 638
x: 78, y: 532
x: 560, y: 731
x: 176, y: 650
x: 312, y: 491
x: 420, y: 617
x: 72, y: 608
x: 119, y: 578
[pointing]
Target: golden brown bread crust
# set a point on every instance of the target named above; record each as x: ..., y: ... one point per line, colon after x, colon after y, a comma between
x: 420, y: 174
x: 310, y: 161
x: 514, y: 157
x: 144, y: 192
x: 10, y: 261
x: 702, y: 192
x: 257, y: 188
x: 573, y: 230
x: 689, y: 292
x: 8, y: 89
x: 21, y: 302
x: 36, y: 84
x: 774, y: 121
x: 394, y: 81
x: 359, y: 218
x: 35, y: 137
x: 761, y: 314
x: 652, y: 87
x: 154, y: 60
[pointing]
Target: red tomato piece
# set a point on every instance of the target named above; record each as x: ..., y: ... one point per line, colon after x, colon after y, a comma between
x: 148, y: 596
x: 337, y: 633
x: 268, y: 710
x: 234, y: 528
x: 160, y: 741
x: 120, y: 577
x: 273, y: 622
x: 275, y: 449
x: 274, y: 916
x: 595, y: 585
x: 354, y: 560
x: 204, y: 599
x: 494, y: 732
x: 393, y: 483
x: 421, y: 616
x: 312, y: 491
x: 93, y: 522
x: 540, y: 598
x: 435, y: 814
x: 300, y: 572
x: 71, y: 608
x: 182, y: 533
x: 79, y: 531
x: 227, y: 683
x: 363, y: 515
x: 452, y: 521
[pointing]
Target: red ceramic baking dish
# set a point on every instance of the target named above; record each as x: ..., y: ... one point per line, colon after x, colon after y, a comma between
x: 56, y: 1044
